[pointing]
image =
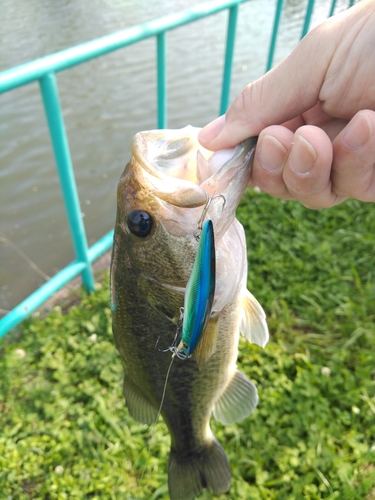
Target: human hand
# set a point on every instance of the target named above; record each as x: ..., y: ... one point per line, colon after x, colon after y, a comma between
x: 314, y: 114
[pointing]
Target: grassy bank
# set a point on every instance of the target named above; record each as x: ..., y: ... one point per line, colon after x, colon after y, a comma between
x: 66, y: 433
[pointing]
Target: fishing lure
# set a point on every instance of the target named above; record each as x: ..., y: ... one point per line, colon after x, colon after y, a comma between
x: 199, y: 296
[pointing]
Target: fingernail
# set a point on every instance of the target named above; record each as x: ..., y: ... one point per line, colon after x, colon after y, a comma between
x: 357, y: 132
x: 271, y: 153
x: 302, y: 156
x: 212, y: 130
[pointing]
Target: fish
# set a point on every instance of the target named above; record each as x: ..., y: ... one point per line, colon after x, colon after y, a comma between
x: 169, y: 185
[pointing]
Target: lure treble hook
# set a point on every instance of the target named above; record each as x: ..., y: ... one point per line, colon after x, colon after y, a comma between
x: 198, y: 231
x: 177, y: 337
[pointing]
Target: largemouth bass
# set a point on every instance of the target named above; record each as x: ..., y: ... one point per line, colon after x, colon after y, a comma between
x: 161, y: 196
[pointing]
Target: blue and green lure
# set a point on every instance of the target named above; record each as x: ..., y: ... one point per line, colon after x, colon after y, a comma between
x: 199, y: 296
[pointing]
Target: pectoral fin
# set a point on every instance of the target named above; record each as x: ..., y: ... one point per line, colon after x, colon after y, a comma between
x: 207, y: 343
x: 253, y: 323
x: 238, y: 401
x: 139, y: 407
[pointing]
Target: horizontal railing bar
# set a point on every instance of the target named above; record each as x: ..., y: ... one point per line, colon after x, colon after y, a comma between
x: 101, y: 246
x: 37, y: 298
x: 53, y: 285
x: 34, y: 70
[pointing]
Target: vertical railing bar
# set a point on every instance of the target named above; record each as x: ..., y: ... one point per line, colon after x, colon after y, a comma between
x: 308, y: 15
x: 351, y: 3
x: 275, y: 31
x: 231, y: 35
x: 333, y: 6
x: 48, y: 87
x: 161, y: 81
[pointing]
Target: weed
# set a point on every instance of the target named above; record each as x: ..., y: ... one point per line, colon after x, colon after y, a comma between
x: 66, y: 432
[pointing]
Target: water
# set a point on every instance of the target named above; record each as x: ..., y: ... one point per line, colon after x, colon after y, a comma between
x: 105, y: 102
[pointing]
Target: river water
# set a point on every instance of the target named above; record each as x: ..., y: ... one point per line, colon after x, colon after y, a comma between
x: 105, y: 102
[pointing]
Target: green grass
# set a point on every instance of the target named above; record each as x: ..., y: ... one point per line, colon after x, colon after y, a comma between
x: 66, y: 433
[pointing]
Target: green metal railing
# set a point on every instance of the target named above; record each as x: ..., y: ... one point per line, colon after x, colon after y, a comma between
x: 44, y: 71
x: 306, y: 24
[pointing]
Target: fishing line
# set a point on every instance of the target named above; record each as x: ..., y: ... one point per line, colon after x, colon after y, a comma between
x: 164, y: 390
x: 25, y: 257
x: 153, y: 426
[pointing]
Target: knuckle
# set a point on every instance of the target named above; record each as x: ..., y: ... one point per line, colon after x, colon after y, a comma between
x: 246, y: 103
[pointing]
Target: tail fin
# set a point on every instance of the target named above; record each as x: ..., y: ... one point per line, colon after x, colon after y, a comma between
x: 207, y: 467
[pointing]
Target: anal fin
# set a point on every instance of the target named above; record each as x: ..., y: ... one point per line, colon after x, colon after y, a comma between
x: 238, y: 401
x: 139, y: 407
x: 253, y: 323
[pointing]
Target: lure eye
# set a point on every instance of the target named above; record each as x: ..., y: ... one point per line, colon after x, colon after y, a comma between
x: 140, y: 223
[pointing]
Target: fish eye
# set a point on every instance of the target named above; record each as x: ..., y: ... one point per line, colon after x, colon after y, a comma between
x: 140, y: 223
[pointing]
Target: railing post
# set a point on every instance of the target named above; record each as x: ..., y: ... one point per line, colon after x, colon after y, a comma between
x: 275, y: 30
x: 308, y: 15
x: 332, y: 9
x: 231, y: 34
x: 161, y: 80
x: 48, y: 87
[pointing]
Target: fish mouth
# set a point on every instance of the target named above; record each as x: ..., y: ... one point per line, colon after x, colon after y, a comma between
x: 179, y: 171
x: 169, y: 153
x: 168, y: 161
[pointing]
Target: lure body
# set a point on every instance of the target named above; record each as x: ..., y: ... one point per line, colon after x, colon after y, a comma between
x: 199, y: 294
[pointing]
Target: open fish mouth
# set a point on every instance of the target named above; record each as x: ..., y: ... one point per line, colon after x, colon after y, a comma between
x: 179, y: 171
x: 169, y: 153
